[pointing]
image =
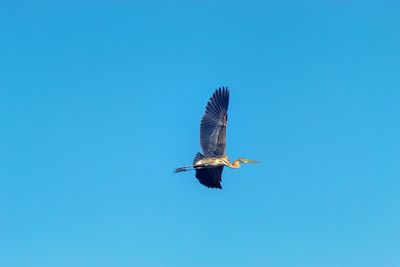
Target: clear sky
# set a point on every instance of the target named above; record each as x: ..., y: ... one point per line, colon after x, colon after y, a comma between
x: 100, y: 101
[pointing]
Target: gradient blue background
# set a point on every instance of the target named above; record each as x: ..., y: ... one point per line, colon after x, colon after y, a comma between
x: 99, y: 102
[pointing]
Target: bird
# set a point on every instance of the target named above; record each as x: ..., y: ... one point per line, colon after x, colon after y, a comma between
x: 209, y: 164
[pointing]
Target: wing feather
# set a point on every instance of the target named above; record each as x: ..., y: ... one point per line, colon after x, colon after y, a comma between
x: 210, y: 177
x: 213, y: 124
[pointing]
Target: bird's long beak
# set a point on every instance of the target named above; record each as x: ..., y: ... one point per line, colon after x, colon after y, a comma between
x: 251, y: 161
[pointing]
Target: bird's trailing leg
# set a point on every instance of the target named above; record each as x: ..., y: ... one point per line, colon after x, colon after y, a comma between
x: 184, y: 169
x: 188, y: 168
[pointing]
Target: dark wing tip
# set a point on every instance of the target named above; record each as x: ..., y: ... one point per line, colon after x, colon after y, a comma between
x: 220, y: 98
x: 210, y: 177
x: 223, y: 90
x: 217, y: 186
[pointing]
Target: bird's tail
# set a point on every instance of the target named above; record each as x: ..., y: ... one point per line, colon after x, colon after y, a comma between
x: 198, y: 157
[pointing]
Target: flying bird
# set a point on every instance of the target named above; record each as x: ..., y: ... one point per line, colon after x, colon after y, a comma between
x: 209, y: 165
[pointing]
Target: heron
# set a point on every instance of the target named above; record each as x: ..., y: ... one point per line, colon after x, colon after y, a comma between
x: 209, y: 165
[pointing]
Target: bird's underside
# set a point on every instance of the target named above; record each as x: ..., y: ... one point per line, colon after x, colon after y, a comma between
x: 208, y: 176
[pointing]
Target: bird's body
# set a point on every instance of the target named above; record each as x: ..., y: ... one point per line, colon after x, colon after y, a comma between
x: 213, y: 142
x: 211, y: 162
x: 223, y: 161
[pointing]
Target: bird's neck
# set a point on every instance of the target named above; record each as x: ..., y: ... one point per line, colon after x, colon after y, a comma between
x: 236, y: 164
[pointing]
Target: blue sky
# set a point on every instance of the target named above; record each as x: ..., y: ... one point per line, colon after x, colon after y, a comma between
x: 100, y: 101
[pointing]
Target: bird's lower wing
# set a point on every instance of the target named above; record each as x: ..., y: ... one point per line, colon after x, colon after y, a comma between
x: 210, y: 177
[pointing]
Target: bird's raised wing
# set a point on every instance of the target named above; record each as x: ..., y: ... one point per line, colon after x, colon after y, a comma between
x: 213, y: 124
